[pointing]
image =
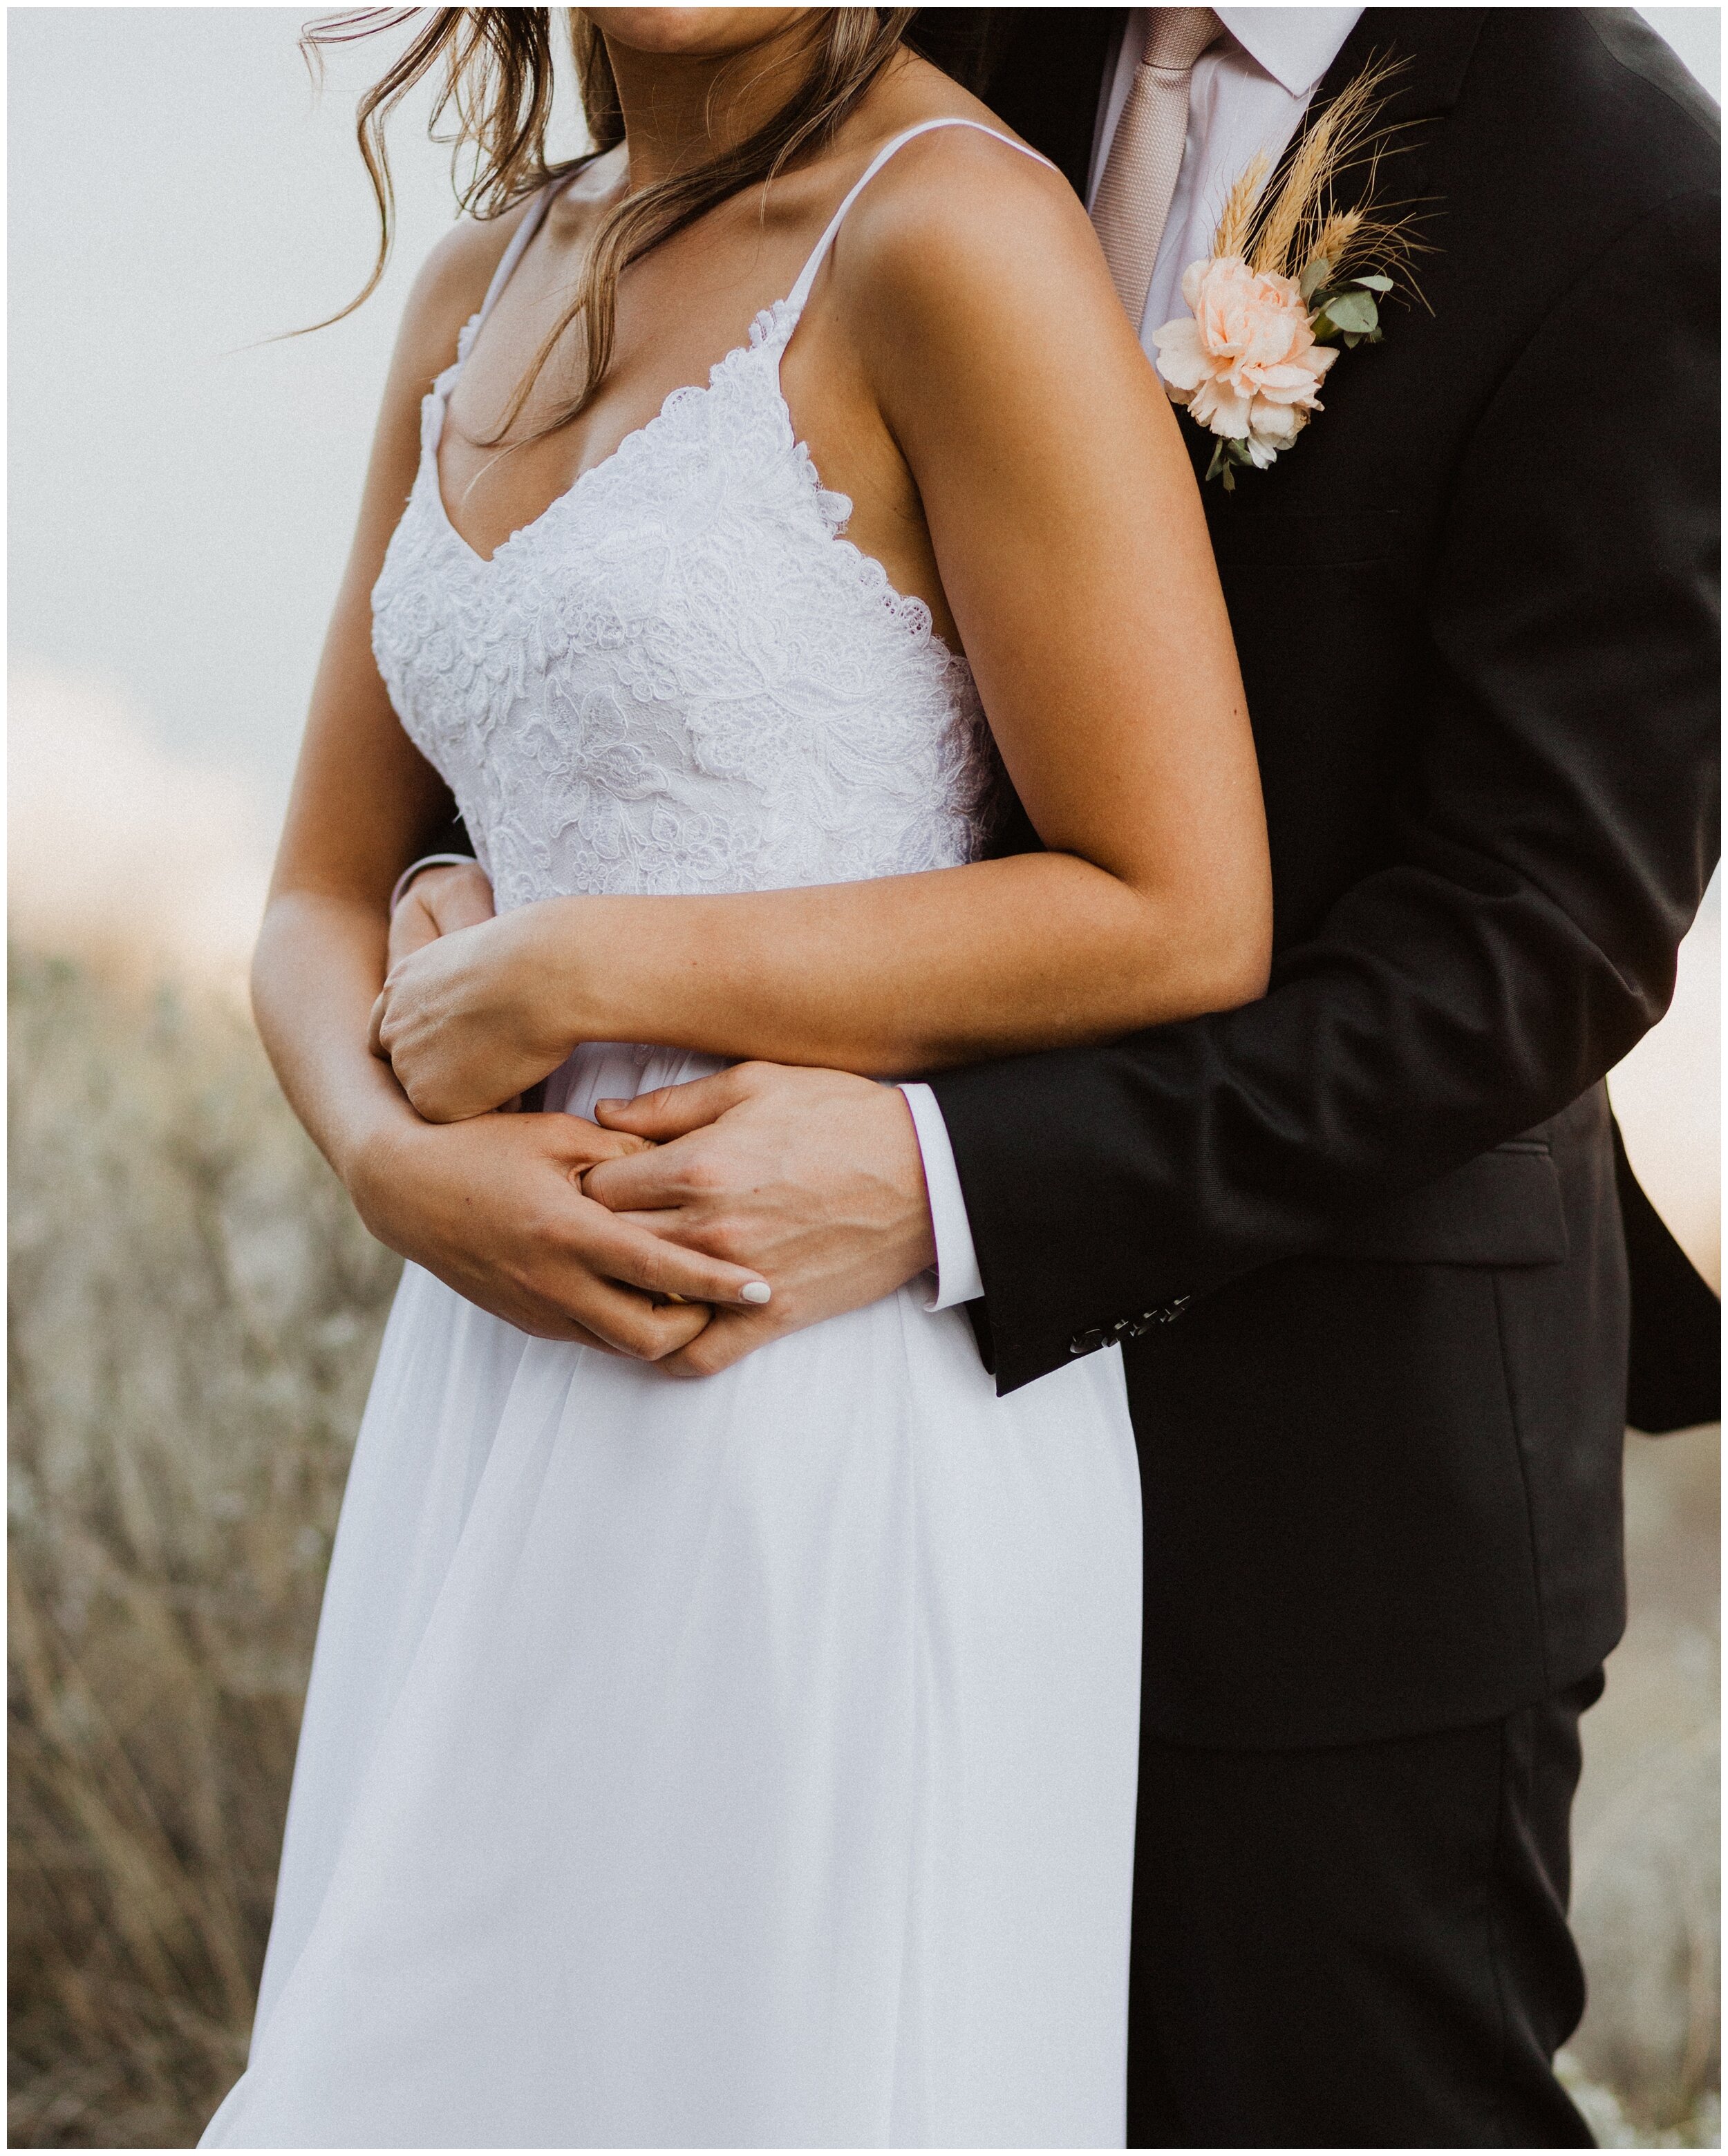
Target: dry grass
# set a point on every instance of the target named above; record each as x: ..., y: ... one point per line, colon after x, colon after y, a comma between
x: 194, y: 1316
x: 1283, y: 224
x: 1646, y: 1875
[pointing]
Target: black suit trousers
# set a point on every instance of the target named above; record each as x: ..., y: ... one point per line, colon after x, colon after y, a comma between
x: 1358, y: 1946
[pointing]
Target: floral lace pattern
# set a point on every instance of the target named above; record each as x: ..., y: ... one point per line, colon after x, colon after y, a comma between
x: 681, y: 678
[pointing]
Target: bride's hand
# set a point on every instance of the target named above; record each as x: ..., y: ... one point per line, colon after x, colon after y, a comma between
x: 463, y: 1021
x: 494, y: 1206
x: 439, y: 901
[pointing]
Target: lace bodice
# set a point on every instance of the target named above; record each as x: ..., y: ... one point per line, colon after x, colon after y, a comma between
x: 681, y: 677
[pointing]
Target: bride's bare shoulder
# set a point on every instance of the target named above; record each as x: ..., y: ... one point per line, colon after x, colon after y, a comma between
x: 963, y: 232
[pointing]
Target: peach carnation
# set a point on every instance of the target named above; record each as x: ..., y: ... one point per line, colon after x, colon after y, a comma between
x: 1245, y: 362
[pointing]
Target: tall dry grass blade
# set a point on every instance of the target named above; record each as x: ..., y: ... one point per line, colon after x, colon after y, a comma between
x: 1299, y: 203
x: 1236, y: 221
x: 1337, y: 232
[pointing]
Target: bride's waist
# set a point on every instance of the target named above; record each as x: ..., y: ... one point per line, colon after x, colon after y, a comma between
x: 619, y: 1070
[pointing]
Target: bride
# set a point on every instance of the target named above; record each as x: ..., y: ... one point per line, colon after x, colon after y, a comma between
x: 745, y: 1760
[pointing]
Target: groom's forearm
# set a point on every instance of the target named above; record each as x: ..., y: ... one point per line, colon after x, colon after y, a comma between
x: 1106, y: 1189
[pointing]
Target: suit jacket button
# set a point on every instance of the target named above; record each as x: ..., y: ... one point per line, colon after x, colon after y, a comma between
x: 1082, y: 1343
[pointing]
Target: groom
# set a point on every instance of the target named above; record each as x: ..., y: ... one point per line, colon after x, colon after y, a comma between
x: 1360, y: 1241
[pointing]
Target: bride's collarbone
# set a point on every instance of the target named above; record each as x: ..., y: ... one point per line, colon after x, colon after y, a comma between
x: 677, y: 313
x: 670, y: 331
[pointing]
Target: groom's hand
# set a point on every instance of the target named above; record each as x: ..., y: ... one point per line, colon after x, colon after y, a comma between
x: 494, y: 1206
x: 812, y: 1179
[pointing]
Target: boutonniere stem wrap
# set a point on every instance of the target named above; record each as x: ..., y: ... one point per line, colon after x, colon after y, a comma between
x: 1290, y: 283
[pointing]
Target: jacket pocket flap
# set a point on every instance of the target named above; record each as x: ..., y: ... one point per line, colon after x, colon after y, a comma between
x: 1502, y: 1209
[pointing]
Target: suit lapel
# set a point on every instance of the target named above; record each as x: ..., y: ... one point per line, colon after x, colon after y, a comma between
x: 1434, y: 46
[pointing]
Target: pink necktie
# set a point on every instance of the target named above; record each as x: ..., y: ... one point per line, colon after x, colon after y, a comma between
x: 1139, y: 175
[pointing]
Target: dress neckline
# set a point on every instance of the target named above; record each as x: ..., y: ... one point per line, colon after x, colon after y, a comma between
x: 769, y: 334
x: 777, y: 332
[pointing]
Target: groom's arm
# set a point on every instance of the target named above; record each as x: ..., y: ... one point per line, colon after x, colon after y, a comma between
x: 1521, y: 937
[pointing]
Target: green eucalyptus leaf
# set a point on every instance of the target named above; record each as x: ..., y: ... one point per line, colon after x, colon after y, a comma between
x: 1230, y: 455
x: 1354, y: 312
x: 1374, y: 283
x: 1316, y: 274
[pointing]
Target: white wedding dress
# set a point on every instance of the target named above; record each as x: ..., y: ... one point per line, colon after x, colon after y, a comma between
x: 741, y: 1763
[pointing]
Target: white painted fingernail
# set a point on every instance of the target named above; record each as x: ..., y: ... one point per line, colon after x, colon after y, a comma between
x: 756, y: 1291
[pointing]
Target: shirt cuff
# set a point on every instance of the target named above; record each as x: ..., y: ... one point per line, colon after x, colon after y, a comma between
x: 957, y: 1279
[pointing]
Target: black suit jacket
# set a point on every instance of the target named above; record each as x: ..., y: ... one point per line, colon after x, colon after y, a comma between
x: 1379, y: 1435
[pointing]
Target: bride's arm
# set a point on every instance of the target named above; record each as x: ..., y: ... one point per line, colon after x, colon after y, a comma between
x: 493, y: 1205
x: 1074, y: 556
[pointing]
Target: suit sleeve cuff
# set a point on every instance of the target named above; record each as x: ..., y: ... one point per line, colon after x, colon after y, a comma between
x: 957, y: 1275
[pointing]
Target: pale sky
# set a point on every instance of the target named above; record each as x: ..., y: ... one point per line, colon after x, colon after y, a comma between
x: 182, y: 492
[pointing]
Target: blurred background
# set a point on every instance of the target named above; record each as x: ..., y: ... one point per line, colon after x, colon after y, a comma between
x: 193, y: 1309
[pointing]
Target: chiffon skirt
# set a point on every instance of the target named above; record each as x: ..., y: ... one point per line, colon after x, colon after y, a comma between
x: 743, y: 1762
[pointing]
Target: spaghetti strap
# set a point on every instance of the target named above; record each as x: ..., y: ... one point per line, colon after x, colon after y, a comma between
x: 517, y: 247
x: 801, y: 291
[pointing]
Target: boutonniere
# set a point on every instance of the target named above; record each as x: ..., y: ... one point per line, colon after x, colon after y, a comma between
x: 1290, y: 283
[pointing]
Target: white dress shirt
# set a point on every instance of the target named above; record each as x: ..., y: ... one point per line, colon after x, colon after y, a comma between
x: 1248, y: 95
